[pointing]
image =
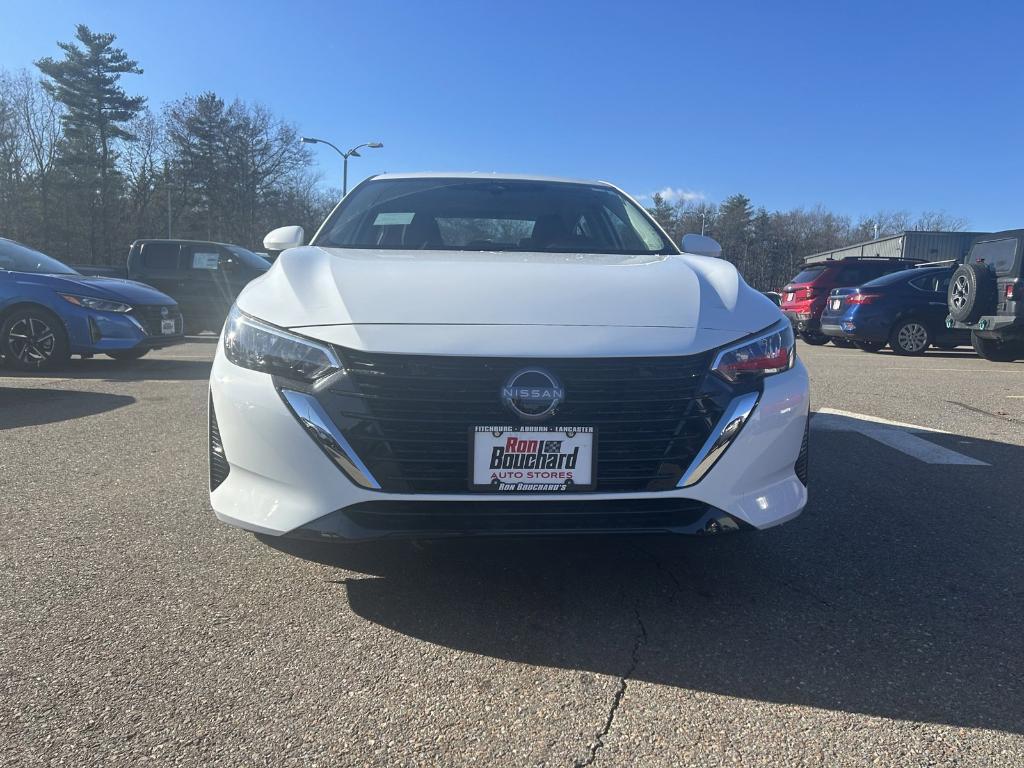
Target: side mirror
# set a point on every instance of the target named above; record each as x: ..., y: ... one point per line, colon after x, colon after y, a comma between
x: 702, y: 245
x: 283, y: 238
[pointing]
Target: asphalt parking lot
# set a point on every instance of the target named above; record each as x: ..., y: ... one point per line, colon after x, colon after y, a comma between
x: 885, y: 626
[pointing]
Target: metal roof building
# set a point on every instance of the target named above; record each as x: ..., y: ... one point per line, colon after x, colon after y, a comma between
x: 921, y: 246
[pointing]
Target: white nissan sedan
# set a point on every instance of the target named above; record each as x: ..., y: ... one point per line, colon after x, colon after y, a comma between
x: 465, y: 354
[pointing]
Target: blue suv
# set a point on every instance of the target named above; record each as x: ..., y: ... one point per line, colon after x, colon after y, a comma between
x: 906, y: 310
x: 48, y: 312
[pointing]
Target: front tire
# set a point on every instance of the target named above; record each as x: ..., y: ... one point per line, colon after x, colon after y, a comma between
x: 34, y: 339
x: 127, y: 354
x: 910, y: 338
x: 995, y: 351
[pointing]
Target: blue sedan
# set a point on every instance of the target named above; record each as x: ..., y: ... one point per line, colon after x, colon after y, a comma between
x: 48, y: 312
x: 906, y: 310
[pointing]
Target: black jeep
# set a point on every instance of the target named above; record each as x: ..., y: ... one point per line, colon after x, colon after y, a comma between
x: 986, y: 296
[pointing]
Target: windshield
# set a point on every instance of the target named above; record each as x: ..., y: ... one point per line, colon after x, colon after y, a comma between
x: 16, y: 257
x: 998, y: 254
x: 491, y: 215
x: 807, y: 275
x: 248, y: 258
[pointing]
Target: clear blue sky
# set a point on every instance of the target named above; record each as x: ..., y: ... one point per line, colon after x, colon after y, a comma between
x: 858, y: 106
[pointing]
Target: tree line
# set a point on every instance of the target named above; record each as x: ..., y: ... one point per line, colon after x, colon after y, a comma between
x: 85, y: 168
x: 768, y: 247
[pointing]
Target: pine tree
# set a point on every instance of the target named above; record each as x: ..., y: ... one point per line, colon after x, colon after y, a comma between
x: 98, y: 111
x: 734, y: 229
x: 665, y: 214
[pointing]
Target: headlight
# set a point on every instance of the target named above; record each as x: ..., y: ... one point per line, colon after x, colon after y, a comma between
x: 90, y: 302
x: 258, y: 346
x: 774, y: 351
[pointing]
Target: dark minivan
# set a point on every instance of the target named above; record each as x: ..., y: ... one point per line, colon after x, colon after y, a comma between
x: 203, y: 277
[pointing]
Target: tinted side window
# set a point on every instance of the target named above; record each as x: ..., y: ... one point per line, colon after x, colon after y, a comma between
x: 160, y: 255
x: 924, y: 283
x: 936, y: 283
x: 856, y: 274
x: 884, y: 268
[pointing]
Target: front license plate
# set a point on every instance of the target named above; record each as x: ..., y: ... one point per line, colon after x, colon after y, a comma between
x: 167, y: 327
x: 532, y: 459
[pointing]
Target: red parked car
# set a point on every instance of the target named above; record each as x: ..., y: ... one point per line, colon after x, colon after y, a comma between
x: 805, y: 296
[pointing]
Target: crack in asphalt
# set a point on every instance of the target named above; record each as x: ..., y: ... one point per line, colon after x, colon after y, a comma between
x: 598, y: 742
x: 667, y: 573
x: 983, y: 412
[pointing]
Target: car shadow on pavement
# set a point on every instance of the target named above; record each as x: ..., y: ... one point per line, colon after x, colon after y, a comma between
x: 936, y: 354
x: 104, y: 369
x: 898, y: 593
x: 27, y: 407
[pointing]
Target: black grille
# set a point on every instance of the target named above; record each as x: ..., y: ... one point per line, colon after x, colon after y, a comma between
x: 510, y: 517
x: 219, y: 467
x: 802, y: 459
x: 150, y: 317
x: 408, y: 416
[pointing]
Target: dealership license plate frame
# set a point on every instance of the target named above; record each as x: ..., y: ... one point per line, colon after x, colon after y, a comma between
x: 538, y: 432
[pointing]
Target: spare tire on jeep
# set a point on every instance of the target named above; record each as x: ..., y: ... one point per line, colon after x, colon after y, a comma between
x: 972, y: 293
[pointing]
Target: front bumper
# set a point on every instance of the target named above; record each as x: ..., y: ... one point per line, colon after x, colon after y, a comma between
x: 274, y: 479
x: 92, y: 332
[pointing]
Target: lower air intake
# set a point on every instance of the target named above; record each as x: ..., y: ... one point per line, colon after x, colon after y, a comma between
x: 219, y: 467
x: 801, y: 460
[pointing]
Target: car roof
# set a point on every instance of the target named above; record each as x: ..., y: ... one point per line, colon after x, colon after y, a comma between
x: 178, y: 240
x: 490, y: 176
x: 907, y: 274
x: 868, y: 259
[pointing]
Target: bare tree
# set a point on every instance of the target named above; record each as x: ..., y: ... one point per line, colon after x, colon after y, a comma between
x: 142, y: 163
x: 939, y: 221
x: 40, y: 117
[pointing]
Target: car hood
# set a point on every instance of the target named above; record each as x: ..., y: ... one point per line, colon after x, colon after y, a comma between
x: 324, y: 290
x: 113, y: 288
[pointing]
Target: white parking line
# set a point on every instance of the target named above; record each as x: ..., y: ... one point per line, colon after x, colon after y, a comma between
x: 971, y: 371
x: 873, y: 419
x: 893, y: 434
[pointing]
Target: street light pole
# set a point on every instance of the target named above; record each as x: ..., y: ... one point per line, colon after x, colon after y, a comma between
x: 354, y: 152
